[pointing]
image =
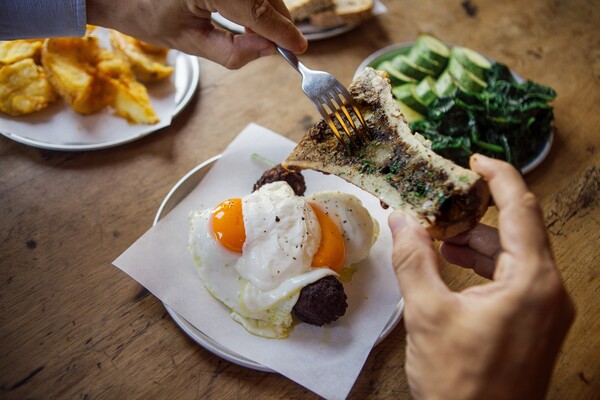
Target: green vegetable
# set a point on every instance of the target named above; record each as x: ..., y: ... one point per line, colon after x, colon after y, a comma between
x: 432, y: 48
x: 406, y: 67
x: 506, y: 120
x: 410, y: 114
x: 396, y: 77
x: 406, y: 94
x: 425, y: 91
x: 471, y: 60
x: 465, y: 79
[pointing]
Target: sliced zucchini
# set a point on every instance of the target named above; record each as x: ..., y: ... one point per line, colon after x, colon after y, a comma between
x: 407, y: 95
x: 410, y: 114
x: 445, y: 85
x: 425, y: 91
x: 433, y: 48
x: 396, y: 77
x: 408, y: 68
x: 464, y: 78
x: 416, y: 56
x: 403, y: 91
x: 471, y: 60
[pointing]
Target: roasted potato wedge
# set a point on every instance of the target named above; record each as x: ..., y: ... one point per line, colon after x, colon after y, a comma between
x: 87, y: 76
x: 17, y: 50
x: 24, y: 88
x: 129, y: 98
x: 71, y: 67
x: 149, y: 62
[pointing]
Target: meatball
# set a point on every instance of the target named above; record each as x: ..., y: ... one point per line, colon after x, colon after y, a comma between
x: 293, y: 177
x: 321, y: 302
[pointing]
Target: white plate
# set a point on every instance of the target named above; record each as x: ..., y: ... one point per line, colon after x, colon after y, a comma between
x: 393, y: 50
x: 90, y: 132
x: 175, y: 195
x: 311, y: 32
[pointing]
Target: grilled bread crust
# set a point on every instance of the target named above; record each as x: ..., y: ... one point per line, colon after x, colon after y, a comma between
x: 396, y: 165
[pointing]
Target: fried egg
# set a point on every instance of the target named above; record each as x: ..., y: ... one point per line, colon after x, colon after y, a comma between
x: 256, y: 253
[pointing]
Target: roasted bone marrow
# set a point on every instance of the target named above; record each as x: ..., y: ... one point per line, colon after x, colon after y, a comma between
x: 396, y: 165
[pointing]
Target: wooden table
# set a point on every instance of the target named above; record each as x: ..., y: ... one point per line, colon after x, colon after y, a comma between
x: 74, y: 326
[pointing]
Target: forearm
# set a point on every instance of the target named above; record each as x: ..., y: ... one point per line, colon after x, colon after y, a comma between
x: 115, y: 14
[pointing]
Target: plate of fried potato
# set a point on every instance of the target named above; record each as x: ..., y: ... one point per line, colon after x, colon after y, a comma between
x: 94, y: 92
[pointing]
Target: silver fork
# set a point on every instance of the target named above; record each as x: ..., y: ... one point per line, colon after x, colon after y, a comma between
x: 331, y: 98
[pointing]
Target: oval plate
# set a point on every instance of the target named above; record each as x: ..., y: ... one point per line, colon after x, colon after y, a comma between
x: 391, y: 51
x: 175, y: 195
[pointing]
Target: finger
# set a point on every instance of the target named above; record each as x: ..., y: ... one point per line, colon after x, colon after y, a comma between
x: 521, y: 227
x: 269, y: 19
x: 414, y: 260
x: 466, y: 257
x: 225, y: 48
x: 482, y: 238
x: 505, y: 182
x: 281, y: 8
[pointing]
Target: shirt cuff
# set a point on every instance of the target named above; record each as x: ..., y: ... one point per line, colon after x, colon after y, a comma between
x: 26, y: 19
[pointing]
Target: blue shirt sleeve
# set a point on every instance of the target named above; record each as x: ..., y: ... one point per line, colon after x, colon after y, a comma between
x: 25, y: 19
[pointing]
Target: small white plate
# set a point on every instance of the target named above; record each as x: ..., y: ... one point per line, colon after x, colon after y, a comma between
x: 92, y: 132
x: 391, y: 51
x: 175, y: 195
x: 311, y: 32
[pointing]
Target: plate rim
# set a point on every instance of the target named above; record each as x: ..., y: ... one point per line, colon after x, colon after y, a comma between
x: 525, y: 169
x: 188, y: 94
x: 207, y: 342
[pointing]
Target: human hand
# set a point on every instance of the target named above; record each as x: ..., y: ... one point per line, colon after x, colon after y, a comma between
x: 186, y: 25
x: 492, y: 341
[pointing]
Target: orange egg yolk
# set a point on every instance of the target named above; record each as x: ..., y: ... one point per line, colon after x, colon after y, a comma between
x: 332, y: 250
x: 228, y: 228
x: 228, y: 224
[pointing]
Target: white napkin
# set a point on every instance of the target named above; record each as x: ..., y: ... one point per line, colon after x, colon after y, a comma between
x: 326, y: 360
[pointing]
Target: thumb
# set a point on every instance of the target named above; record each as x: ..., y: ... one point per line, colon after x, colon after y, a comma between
x: 414, y: 260
x: 269, y: 19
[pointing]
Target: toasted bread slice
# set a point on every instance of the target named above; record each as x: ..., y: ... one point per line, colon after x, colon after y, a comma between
x: 395, y: 165
x: 302, y: 9
x: 344, y: 12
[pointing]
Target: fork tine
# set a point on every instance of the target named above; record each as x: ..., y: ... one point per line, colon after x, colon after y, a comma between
x: 324, y: 90
x: 329, y: 100
x: 348, y: 107
x: 348, y: 101
x: 356, y: 129
x: 329, y: 121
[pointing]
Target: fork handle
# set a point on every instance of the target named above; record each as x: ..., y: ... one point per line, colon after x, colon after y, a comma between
x: 292, y: 59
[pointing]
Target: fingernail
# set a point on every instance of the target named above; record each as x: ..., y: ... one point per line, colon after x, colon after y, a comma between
x: 396, y: 221
x: 479, y: 157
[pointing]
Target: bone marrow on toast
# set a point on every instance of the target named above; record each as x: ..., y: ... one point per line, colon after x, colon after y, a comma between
x: 396, y: 165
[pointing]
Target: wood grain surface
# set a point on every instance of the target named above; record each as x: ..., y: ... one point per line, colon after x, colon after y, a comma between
x: 74, y: 326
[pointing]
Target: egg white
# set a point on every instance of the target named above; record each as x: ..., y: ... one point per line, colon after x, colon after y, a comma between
x: 261, y: 285
x: 358, y: 228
